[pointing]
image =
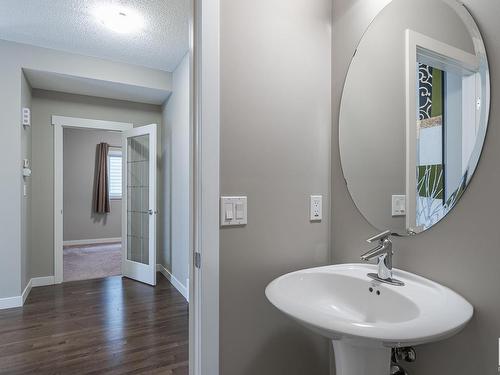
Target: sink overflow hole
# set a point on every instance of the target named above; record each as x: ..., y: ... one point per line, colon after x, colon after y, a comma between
x: 371, y: 290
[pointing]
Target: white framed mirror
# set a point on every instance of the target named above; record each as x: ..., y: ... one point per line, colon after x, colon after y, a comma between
x: 414, y: 114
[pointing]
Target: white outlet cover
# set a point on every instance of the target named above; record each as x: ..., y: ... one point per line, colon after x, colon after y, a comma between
x: 316, y: 208
x: 398, y: 207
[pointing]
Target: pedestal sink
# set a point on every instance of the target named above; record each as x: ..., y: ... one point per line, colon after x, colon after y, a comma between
x: 365, y: 318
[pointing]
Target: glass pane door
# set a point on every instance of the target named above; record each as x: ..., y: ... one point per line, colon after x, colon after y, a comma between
x: 139, y: 208
x: 138, y: 199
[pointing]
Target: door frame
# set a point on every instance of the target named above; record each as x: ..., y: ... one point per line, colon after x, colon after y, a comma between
x: 60, y: 123
x: 205, y: 138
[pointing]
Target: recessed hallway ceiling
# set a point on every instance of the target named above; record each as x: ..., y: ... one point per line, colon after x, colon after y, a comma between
x: 71, y: 25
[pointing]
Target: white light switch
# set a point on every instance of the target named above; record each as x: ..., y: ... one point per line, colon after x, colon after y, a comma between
x: 228, y: 211
x: 233, y: 211
x: 316, y: 208
x: 398, y: 205
x: 239, y: 211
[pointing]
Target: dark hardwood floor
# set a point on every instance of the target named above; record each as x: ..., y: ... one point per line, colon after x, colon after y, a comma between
x: 101, y: 326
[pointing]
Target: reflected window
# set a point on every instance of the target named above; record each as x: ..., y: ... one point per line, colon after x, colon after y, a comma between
x: 115, y: 173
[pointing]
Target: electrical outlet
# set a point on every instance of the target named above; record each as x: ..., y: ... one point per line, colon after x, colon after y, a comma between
x: 316, y: 208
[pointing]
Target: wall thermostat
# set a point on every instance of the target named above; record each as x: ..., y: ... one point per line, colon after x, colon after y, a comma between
x: 26, y: 116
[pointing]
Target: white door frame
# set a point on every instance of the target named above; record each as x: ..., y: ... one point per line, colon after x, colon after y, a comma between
x: 60, y: 123
x: 205, y: 104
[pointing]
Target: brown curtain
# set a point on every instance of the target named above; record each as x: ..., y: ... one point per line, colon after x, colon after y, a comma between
x: 101, y: 192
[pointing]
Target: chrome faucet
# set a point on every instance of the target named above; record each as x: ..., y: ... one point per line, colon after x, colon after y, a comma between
x: 383, y: 252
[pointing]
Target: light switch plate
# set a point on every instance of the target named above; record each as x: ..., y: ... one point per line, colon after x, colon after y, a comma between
x: 233, y: 211
x: 316, y: 208
x: 398, y: 205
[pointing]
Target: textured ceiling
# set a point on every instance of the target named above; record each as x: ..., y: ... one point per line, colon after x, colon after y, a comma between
x: 70, y: 25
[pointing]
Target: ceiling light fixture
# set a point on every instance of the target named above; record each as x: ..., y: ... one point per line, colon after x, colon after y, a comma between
x: 119, y: 19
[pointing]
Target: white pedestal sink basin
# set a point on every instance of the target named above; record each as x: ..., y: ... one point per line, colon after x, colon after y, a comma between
x: 365, y: 318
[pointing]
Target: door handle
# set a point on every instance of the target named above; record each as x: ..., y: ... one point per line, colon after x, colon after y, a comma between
x: 152, y: 212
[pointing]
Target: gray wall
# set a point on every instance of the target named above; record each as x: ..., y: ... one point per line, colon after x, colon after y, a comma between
x: 176, y: 161
x: 79, y: 164
x: 275, y: 148
x: 462, y: 251
x: 15, y: 57
x: 48, y: 103
x: 25, y: 199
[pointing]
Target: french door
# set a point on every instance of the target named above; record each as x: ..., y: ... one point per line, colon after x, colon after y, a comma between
x: 139, y: 204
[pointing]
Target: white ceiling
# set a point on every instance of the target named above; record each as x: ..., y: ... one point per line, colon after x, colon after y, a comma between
x: 70, y: 25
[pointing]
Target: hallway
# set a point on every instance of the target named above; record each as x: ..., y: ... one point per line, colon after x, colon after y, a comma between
x: 111, y: 325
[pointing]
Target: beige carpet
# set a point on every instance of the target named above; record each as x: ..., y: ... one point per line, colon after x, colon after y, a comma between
x: 92, y: 261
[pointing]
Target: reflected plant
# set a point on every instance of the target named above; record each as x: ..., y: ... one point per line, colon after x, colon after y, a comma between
x: 430, y: 193
x: 431, y: 206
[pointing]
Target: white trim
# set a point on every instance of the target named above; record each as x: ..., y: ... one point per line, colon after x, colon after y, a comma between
x: 60, y: 122
x: 174, y: 281
x: 204, y: 293
x: 77, y: 122
x: 42, y: 281
x: 10, y: 302
x: 18, y: 301
x: 433, y: 52
x: 92, y: 241
x: 411, y: 130
x: 194, y: 318
x: 26, y: 291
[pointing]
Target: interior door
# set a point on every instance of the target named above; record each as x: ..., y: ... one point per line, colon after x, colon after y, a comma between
x: 139, y: 204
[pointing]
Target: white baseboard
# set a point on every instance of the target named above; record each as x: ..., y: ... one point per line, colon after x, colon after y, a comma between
x: 92, y: 241
x: 174, y: 281
x: 26, y: 291
x: 18, y: 301
x: 10, y: 302
x: 42, y: 281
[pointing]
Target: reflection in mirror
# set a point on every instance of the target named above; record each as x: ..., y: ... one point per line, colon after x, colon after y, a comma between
x: 448, y: 101
x: 414, y: 114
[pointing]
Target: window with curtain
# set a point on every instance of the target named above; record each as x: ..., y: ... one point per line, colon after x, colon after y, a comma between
x: 115, y: 173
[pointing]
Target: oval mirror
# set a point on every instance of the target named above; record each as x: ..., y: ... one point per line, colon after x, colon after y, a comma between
x: 414, y: 114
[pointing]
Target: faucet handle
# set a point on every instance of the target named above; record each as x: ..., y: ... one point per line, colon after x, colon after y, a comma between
x: 379, y: 237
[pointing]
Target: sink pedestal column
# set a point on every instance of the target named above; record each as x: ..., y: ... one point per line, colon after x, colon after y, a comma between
x: 358, y: 359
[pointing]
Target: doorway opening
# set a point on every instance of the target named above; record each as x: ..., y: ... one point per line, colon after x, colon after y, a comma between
x: 126, y: 173
x: 92, y: 199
